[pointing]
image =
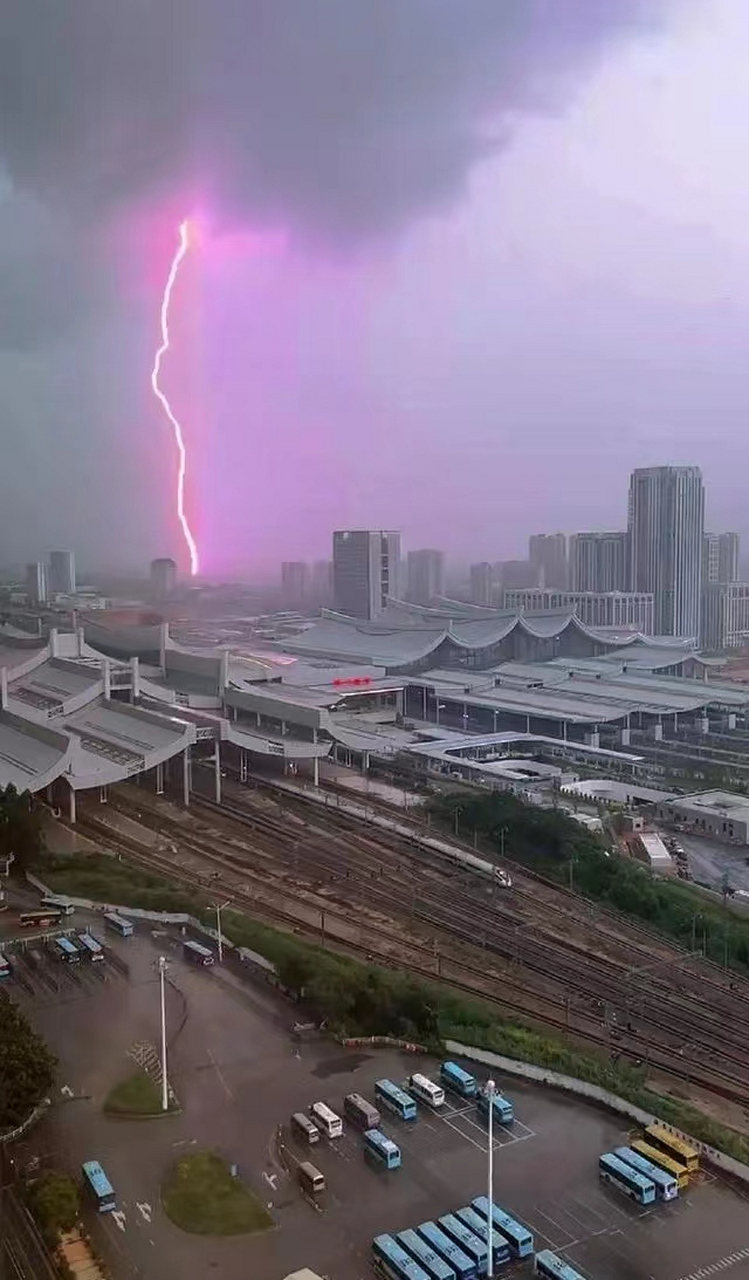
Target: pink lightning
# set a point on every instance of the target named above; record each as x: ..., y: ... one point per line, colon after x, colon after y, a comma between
x: 180, y: 253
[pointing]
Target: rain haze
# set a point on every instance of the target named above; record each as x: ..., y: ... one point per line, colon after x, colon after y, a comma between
x: 455, y: 268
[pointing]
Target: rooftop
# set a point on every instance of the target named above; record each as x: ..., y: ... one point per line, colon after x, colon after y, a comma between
x: 727, y: 803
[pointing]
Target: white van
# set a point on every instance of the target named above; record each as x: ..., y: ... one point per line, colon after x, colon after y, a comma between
x: 326, y: 1120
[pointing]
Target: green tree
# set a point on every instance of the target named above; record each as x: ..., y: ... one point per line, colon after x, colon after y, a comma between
x: 27, y: 1068
x: 55, y: 1202
x: 20, y: 827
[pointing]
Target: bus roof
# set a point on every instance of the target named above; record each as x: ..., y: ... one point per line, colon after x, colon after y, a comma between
x: 610, y: 1161
x: 97, y: 1177
x: 659, y: 1134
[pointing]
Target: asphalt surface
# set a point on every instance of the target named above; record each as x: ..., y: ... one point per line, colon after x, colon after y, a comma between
x: 239, y: 1074
x: 709, y: 860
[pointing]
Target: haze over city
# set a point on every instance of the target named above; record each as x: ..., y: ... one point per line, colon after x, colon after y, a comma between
x: 460, y: 288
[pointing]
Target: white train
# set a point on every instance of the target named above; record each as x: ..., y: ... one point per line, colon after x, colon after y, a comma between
x: 469, y: 860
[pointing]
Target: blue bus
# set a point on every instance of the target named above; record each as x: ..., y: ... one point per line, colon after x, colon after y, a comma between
x: 624, y: 1178
x: 118, y: 924
x: 666, y: 1186
x: 393, y: 1261
x: 391, y: 1096
x: 503, y: 1111
x: 457, y: 1080
x: 549, y: 1265
x: 480, y: 1227
x: 67, y: 951
x: 517, y: 1236
x: 92, y: 948
x: 463, y: 1266
x: 98, y: 1185
x: 197, y: 954
x: 5, y: 969
x: 435, y: 1266
x: 382, y: 1149
x: 472, y: 1245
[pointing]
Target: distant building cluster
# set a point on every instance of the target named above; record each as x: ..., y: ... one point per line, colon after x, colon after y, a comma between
x: 47, y: 580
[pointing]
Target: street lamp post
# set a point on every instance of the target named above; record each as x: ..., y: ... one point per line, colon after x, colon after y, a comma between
x: 490, y: 1087
x: 164, y: 1082
x: 220, y: 906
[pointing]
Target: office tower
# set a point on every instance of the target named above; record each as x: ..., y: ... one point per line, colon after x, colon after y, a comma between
x: 321, y: 583
x: 36, y: 582
x: 547, y: 553
x: 366, y: 566
x: 163, y: 578
x: 294, y: 583
x: 598, y: 562
x: 720, y: 558
x: 725, y: 615
x: 426, y: 575
x: 482, y: 579
x: 62, y: 573
x: 666, y: 517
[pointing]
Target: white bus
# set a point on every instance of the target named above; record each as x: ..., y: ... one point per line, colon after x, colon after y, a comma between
x: 326, y: 1120
x: 302, y: 1127
x: 426, y: 1090
x: 63, y: 905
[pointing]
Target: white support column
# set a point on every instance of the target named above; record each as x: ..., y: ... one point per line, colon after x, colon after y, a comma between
x: 72, y: 806
x: 315, y: 762
x: 217, y: 772
x: 80, y: 640
x: 625, y: 736
x: 3, y: 688
x: 243, y: 771
x: 186, y: 777
x: 106, y: 672
x: 731, y: 720
x: 223, y: 678
x: 160, y: 779
x: 163, y: 639
x: 134, y: 679
x: 704, y: 724
x: 53, y: 646
x: 658, y: 731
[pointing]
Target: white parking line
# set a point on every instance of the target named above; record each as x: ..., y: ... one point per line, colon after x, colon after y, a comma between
x: 723, y: 1264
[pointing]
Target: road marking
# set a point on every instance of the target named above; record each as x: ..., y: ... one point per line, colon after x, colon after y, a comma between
x: 66, y: 1091
x: 270, y: 1178
x: 723, y: 1264
x: 144, y: 1210
x: 119, y: 1217
x: 219, y: 1073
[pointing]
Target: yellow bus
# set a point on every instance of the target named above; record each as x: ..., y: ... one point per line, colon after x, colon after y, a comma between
x: 674, y: 1147
x: 663, y: 1161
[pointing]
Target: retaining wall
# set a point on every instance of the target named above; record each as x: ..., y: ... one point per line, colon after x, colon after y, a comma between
x: 543, y: 1075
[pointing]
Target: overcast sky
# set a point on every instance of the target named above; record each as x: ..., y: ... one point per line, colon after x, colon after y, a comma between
x: 459, y: 265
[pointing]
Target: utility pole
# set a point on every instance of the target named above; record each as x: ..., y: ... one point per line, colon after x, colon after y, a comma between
x: 220, y: 906
x: 490, y: 1087
x: 164, y: 1083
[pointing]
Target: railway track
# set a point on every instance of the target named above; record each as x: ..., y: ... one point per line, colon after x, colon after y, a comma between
x: 390, y: 946
x: 654, y: 1031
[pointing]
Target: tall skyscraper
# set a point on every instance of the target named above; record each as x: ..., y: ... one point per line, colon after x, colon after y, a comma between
x: 295, y: 583
x: 36, y: 582
x: 720, y: 558
x: 483, y: 583
x: 547, y: 553
x: 366, y: 570
x: 163, y: 578
x: 666, y: 518
x: 62, y: 573
x: 426, y: 575
x: 598, y: 562
x: 321, y: 588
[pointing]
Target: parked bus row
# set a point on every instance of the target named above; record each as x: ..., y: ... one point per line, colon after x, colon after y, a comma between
x: 455, y: 1247
x: 460, y: 1082
x: 655, y: 1167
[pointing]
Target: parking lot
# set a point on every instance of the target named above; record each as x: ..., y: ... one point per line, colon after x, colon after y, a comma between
x: 238, y: 1074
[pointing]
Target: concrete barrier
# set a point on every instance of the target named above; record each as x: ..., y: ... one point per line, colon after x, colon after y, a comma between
x: 544, y: 1075
x: 13, y: 1134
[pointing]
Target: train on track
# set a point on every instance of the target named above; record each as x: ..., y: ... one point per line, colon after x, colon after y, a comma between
x: 470, y: 861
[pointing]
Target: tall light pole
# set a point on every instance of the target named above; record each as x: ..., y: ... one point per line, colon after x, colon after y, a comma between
x: 164, y: 1083
x: 219, y: 908
x: 490, y: 1087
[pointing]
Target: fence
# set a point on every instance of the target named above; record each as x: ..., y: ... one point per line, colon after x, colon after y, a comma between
x: 595, y: 1093
x: 13, y: 1134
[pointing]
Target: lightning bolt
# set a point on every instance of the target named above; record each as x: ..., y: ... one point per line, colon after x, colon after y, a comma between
x: 179, y: 255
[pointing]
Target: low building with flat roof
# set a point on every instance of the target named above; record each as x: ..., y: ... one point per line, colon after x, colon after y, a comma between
x: 721, y: 814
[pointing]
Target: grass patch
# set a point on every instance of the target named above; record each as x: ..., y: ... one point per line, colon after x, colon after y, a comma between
x: 139, y: 1095
x: 201, y: 1196
x: 103, y: 878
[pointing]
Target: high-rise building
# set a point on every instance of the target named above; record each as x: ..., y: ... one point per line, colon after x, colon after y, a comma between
x: 666, y: 519
x: 36, y: 582
x: 625, y: 610
x: 295, y: 584
x: 366, y: 570
x: 62, y: 573
x: 547, y: 553
x: 725, y: 615
x: 720, y: 557
x: 515, y: 574
x: 482, y: 583
x: 598, y: 561
x: 163, y: 578
x: 426, y: 575
x: 321, y: 583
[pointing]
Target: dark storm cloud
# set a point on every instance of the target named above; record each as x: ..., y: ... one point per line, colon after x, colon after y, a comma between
x: 337, y: 117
